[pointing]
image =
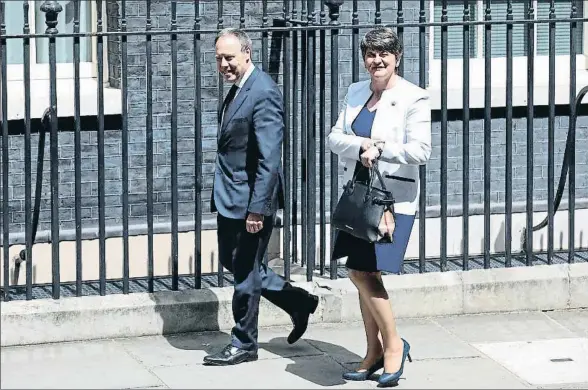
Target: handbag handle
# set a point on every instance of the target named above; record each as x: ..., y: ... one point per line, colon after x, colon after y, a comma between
x: 388, y: 202
x: 373, y: 169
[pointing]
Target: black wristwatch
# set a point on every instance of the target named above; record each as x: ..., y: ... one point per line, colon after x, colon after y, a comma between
x: 380, y: 146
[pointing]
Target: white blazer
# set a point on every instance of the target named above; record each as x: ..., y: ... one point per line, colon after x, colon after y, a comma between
x: 403, y: 121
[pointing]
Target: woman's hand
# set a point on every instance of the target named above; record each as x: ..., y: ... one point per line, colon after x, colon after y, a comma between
x: 369, y: 157
x: 366, y: 145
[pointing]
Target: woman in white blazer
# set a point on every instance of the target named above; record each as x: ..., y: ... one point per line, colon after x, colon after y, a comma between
x: 385, y: 119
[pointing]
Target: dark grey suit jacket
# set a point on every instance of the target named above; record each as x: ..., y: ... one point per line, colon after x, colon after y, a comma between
x: 248, y: 173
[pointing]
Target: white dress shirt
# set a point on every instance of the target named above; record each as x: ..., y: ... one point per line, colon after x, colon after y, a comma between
x: 239, y: 86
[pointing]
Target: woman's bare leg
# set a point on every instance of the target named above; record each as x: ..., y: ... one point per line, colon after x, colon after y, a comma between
x: 375, y: 297
x: 374, y: 344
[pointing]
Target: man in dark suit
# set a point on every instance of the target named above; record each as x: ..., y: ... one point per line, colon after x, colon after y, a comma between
x: 247, y: 192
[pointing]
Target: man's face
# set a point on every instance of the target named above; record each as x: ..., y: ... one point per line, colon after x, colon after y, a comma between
x: 231, y: 61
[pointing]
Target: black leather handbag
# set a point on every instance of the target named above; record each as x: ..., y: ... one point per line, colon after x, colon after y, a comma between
x: 361, y: 207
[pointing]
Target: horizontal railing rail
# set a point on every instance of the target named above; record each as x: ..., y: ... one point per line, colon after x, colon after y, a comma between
x: 303, y: 26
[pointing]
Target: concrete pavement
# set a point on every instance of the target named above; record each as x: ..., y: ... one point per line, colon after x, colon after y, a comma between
x: 511, y: 350
x: 430, y: 294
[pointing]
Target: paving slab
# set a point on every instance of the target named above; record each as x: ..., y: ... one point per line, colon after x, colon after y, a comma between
x: 347, y: 344
x: 461, y: 373
x: 515, y: 350
x: 430, y: 341
x: 191, y: 348
x: 543, y: 362
x: 525, y: 326
x: 343, y: 342
x: 565, y: 386
x: 574, y: 320
x: 98, y: 365
x: 456, y: 373
x: 293, y: 373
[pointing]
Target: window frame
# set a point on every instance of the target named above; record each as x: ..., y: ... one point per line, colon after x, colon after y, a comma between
x: 64, y: 71
x: 39, y: 85
x: 477, y: 64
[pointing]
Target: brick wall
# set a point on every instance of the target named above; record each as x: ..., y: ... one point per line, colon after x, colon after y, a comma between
x: 136, y: 14
x: 498, y: 159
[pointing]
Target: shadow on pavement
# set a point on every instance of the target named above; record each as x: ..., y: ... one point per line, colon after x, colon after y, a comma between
x: 323, y: 368
x: 314, y: 361
x: 207, y: 342
x: 180, y: 314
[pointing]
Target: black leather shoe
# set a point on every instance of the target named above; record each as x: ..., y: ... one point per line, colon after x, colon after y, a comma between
x: 229, y: 356
x: 300, y: 320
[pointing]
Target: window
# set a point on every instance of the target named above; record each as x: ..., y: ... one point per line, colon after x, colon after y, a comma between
x: 520, y: 8
x: 14, y: 18
x: 39, y: 50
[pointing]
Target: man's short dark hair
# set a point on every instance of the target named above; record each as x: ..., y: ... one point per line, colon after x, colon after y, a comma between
x: 381, y: 39
x: 244, y: 39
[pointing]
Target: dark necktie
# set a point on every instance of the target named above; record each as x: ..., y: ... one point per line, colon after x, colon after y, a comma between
x: 230, y: 97
x: 227, y: 103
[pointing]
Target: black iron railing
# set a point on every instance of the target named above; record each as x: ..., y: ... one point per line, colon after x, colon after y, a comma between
x: 303, y: 50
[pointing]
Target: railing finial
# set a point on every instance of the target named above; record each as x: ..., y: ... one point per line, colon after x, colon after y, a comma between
x: 51, y: 8
x: 334, y: 6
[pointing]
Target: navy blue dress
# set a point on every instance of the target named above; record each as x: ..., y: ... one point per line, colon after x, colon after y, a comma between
x: 362, y: 255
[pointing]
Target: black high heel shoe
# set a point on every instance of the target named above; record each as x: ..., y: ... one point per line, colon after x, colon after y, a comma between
x: 389, y: 379
x: 364, y: 375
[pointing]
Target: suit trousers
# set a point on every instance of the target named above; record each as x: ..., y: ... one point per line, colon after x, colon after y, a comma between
x: 242, y: 254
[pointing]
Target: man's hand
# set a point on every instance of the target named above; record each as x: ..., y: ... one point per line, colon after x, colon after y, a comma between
x: 370, y: 156
x: 254, y: 223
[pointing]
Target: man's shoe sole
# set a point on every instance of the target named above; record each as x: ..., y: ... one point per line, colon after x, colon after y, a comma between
x: 249, y: 358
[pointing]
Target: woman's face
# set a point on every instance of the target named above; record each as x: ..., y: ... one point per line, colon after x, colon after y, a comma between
x: 380, y: 64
